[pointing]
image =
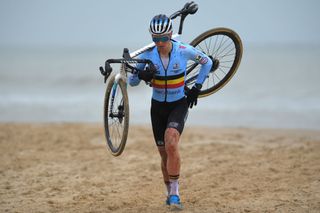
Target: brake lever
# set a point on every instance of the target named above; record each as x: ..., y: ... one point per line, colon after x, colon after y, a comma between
x: 104, y: 73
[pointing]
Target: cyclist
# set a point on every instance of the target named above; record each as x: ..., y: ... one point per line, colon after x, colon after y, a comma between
x: 169, y: 105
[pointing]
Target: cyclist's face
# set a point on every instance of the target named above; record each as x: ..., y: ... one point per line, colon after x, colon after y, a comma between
x: 161, y: 40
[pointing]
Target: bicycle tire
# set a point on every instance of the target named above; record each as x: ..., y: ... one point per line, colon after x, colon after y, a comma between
x: 203, y: 42
x: 116, y: 115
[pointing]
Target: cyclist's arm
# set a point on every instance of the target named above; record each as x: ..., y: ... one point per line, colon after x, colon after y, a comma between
x: 201, y: 58
x: 133, y: 79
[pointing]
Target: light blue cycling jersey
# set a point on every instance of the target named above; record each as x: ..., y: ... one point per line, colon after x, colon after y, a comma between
x: 168, y: 84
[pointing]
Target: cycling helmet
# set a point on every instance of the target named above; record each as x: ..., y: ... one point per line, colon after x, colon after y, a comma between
x: 160, y: 24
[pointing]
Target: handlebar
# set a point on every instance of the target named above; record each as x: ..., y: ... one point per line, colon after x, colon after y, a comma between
x: 127, y: 60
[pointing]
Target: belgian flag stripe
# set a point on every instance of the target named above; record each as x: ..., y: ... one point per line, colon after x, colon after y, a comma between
x: 170, y: 77
x: 169, y: 86
x: 174, y: 81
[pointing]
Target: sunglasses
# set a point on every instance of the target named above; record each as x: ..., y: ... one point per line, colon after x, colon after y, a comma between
x: 162, y: 39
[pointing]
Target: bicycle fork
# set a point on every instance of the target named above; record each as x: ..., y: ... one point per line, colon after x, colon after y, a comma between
x: 118, y: 111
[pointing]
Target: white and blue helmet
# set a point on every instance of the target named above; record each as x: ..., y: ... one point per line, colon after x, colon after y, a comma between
x: 160, y: 24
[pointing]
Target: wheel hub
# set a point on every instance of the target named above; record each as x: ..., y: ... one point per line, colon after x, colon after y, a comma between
x: 119, y: 114
x: 215, y: 63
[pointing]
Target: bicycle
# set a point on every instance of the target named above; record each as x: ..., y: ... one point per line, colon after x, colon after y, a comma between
x: 222, y: 45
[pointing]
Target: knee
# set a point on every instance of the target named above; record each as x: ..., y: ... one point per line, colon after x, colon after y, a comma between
x: 171, y: 140
x: 171, y: 136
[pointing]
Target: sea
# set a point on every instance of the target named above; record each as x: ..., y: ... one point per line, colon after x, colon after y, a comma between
x: 276, y: 86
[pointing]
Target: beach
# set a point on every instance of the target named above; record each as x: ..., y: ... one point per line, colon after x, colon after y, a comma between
x: 66, y: 167
x: 252, y: 146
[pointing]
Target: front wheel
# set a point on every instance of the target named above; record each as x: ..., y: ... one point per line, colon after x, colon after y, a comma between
x: 224, y: 47
x: 116, y: 115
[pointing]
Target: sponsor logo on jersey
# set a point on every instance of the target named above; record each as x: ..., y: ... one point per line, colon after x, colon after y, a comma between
x: 169, y: 91
x: 158, y: 91
x: 201, y: 60
x: 173, y: 91
x: 176, y: 66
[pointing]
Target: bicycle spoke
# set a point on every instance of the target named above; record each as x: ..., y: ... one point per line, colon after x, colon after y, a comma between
x: 205, y: 41
x: 225, y: 66
x: 222, y: 71
x: 214, y: 53
x: 118, y: 132
x: 227, y: 53
x: 221, y: 44
x: 199, y: 46
x: 209, y: 45
x: 221, y: 62
x: 226, y: 48
x: 217, y: 76
x: 215, y: 43
x: 208, y: 82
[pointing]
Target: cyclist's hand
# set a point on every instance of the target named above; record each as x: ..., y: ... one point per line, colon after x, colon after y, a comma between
x: 192, y: 96
x: 145, y: 75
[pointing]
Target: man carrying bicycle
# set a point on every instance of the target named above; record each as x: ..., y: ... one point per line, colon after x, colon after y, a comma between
x: 169, y: 106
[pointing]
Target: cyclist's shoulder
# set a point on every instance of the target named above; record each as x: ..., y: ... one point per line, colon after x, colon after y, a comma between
x: 147, y: 53
x: 182, y: 46
x: 184, y: 49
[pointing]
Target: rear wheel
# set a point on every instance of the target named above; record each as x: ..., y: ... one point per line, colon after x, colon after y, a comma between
x: 116, y: 115
x: 224, y: 47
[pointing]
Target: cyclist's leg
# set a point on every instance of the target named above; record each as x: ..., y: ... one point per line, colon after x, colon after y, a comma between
x: 159, y: 124
x: 172, y: 137
x: 173, y: 132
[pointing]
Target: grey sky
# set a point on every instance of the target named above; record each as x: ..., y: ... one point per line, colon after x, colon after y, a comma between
x: 102, y: 22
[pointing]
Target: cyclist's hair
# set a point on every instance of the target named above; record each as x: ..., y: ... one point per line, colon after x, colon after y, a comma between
x: 160, y: 24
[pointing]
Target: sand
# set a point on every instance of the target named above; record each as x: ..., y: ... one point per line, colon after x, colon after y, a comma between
x: 67, y: 168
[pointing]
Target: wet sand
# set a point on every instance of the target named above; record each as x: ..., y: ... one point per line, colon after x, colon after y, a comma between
x: 67, y: 168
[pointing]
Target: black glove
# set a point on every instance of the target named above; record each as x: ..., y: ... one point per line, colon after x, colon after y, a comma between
x: 145, y: 75
x: 192, y: 95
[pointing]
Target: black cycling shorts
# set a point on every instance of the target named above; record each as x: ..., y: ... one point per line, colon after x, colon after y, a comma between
x: 167, y: 115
